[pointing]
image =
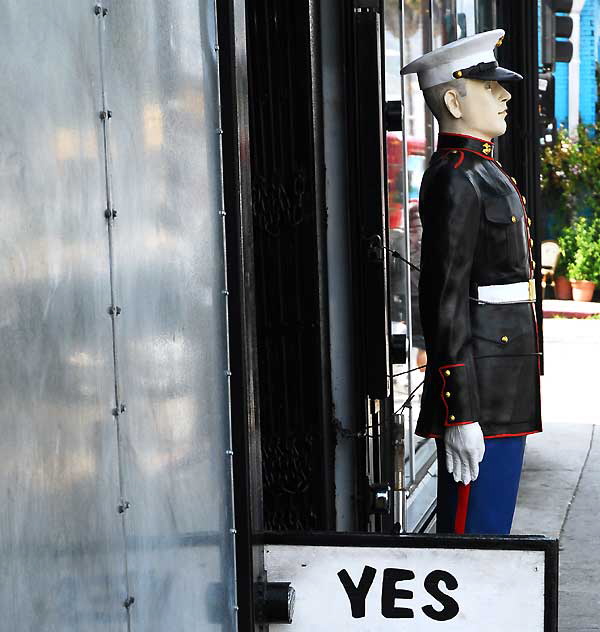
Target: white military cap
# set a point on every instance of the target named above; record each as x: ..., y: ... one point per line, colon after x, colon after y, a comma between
x: 468, y: 58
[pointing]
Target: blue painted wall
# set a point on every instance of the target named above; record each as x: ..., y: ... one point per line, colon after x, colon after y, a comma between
x: 589, y: 54
x: 561, y: 94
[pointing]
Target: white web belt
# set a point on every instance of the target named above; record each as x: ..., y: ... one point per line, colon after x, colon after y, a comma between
x: 508, y: 293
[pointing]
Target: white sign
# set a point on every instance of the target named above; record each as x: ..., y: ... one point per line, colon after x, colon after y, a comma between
x: 377, y: 589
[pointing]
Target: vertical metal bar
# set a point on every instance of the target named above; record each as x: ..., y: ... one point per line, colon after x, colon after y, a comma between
x: 406, y: 219
x: 371, y: 192
x: 229, y: 454
x: 370, y: 452
x: 114, y: 310
x: 399, y: 486
x: 318, y: 162
x: 242, y: 308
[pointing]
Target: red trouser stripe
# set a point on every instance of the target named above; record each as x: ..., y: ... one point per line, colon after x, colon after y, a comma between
x: 462, y: 506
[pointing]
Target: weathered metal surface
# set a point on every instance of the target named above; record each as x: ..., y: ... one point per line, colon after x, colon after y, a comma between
x: 164, y: 162
x: 61, y: 545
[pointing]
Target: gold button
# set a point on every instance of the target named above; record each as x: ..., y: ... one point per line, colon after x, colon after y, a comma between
x: 514, y: 181
x: 504, y: 339
x: 524, y: 200
x: 452, y: 418
x: 533, y: 264
x: 530, y: 241
x: 459, y: 73
x: 447, y: 372
x: 529, y: 221
x: 447, y: 394
x: 513, y: 219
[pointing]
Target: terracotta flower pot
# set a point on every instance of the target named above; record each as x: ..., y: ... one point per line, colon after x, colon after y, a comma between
x: 583, y: 290
x: 562, y: 288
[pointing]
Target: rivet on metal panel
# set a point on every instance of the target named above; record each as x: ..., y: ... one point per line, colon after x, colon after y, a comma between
x: 114, y: 310
x: 219, y: 130
x: 234, y: 531
x: 217, y: 48
x: 115, y: 412
x: 229, y: 452
x: 223, y: 213
x: 129, y: 602
x: 226, y: 292
x: 104, y: 12
x: 110, y: 213
x: 124, y: 506
x: 123, y: 408
x: 97, y: 9
x: 228, y: 373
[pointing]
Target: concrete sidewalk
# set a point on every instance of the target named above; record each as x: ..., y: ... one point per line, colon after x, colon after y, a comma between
x: 569, y: 309
x: 560, y: 487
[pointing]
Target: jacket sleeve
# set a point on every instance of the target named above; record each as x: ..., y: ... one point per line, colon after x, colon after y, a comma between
x: 451, y: 220
x: 416, y: 231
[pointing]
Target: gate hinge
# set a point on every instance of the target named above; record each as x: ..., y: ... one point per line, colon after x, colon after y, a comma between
x: 372, y: 5
x: 393, y: 116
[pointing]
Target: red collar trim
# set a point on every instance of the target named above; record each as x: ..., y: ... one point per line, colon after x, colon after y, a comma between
x: 481, y: 140
x: 447, y: 149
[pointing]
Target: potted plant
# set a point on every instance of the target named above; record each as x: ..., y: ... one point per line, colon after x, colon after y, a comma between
x: 566, y: 242
x: 570, y: 168
x: 584, y: 268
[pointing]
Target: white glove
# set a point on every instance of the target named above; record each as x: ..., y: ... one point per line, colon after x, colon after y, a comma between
x: 465, y: 448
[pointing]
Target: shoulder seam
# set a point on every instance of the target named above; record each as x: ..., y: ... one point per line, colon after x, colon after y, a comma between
x: 470, y: 179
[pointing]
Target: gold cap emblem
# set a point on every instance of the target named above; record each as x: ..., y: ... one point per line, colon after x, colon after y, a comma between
x: 487, y: 149
x: 499, y: 42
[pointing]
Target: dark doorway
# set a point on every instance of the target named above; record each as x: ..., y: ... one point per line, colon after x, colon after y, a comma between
x: 289, y: 220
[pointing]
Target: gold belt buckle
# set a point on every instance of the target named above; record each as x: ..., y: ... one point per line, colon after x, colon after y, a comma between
x: 532, y: 289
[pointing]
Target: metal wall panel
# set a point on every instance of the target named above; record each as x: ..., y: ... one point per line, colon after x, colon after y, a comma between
x: 162, y: 89
x: 61, y: 543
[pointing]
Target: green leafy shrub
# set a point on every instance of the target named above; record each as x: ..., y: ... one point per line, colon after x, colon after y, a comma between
x: 583, y: 261
x: 568, y: 247
x: 569, y: 175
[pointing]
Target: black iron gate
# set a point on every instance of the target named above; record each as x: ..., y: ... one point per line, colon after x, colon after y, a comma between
x: 289, y: 243
x: 519, y: 147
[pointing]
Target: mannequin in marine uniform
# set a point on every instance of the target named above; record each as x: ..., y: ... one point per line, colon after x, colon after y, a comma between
x: 476, y: 293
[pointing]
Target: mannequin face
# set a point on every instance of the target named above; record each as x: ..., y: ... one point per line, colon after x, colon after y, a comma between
x: 481, y: 112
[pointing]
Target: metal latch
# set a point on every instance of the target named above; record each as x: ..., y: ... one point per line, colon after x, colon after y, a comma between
x: 380, y: 499
x: 275, y: 602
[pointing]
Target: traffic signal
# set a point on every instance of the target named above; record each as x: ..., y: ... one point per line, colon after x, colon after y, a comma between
x: 557, y: 27
x: 547, y: 122
x: 546, y: 96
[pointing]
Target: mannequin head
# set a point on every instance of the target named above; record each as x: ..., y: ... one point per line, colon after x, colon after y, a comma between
x: 472, y: 107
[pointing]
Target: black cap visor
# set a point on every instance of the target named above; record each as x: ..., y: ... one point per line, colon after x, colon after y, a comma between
x: 488, y: 72
x: 498, y: 74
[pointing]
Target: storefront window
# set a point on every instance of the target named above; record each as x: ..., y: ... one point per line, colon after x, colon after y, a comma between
x: 413, y: 28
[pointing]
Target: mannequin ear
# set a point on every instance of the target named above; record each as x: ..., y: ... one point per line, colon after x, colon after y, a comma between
x: 452, y: 101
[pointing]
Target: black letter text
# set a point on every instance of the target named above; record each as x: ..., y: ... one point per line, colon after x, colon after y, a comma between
x: 357, y: 594
x: 389, y: 594
x: 450, y: 609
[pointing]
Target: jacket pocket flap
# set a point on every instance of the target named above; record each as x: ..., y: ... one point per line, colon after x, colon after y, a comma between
x: 501, y: 209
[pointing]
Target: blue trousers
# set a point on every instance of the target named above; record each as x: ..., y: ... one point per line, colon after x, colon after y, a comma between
x: 487, y: 505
